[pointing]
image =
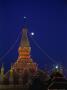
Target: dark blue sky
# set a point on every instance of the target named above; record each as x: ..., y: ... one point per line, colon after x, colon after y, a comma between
x: 46, y: 18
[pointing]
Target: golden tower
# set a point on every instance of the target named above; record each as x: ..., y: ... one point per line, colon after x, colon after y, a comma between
x: 24, y: 63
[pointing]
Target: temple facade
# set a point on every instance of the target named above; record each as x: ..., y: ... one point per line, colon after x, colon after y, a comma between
x: 24, y: 74
x: 24, y: 67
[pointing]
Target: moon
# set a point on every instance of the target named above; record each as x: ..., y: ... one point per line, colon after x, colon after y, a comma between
x: 32, y: 33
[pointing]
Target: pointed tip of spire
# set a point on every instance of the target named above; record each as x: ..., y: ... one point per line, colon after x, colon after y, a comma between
x: 25, y: 23
x: 25, y: 27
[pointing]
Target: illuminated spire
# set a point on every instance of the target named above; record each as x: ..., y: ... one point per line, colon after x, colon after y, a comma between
x: 2, y: 71
x: 24, y: 39
x: 11, y: 71
x: 24, y: 61
x: 11, y: 75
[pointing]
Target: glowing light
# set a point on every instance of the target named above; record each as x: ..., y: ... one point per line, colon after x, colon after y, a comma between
x: 25, y: 17
x: 57, y: 67
x: 32, y: 33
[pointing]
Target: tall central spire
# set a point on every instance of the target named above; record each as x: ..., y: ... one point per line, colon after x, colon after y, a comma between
x: 24, y: 48
x: 24, y: 40
x: 24, y: 62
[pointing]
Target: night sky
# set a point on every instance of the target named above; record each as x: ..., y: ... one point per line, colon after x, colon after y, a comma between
x: 46, y: 18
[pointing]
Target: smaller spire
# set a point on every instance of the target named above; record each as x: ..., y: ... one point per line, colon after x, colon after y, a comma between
x: 11, y: 75
x: 11, y: 71
x: 2, y: 70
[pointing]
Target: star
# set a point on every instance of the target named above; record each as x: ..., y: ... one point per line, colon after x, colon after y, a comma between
x: 25, y: 17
